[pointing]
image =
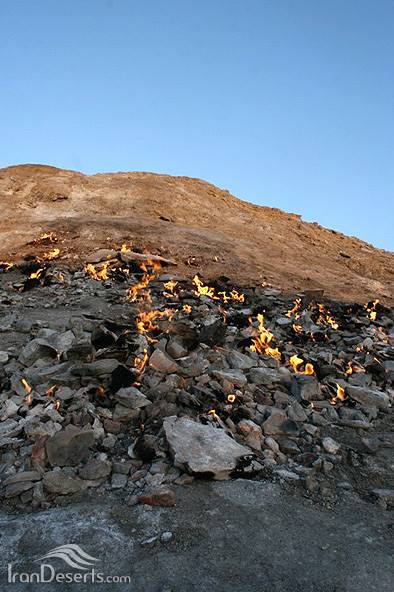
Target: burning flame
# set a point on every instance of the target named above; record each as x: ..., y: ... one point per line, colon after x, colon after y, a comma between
x: 202, y: 290
x: 100, y: 391
x: 212, y: 413
x: 231, y: 398
x: 126, y: 248
x: 261, y: 343
x: 140, y: 363
x: 51, y: 391
x: 6, y: 266
x: 297, y: 328
x: 145, y: 320
x: 28, y: 399
x: 325, y: 317
x: 297, y: 362
x: 95, y: 274
x: 46, y: 237
x: 294, y: 311
x: 340, y: 396
x: 187, y: 308
x: 35, y: 275
x: 54, y: 254
x: 169, y: 288
x: 26, y: 386
x: 372, y: 313
x: 56, y: 405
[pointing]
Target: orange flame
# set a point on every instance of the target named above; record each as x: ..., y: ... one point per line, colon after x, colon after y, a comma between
x: 372, y: 313
x: 36, y: 274
x: 325, y: 317
x: 169, y: 288
x: 95, y: 274
x: 54, y: 254
x: 140, y: 363
x: 26, y: 386
x: 202, y: 290
x: 51, y: 391
x: 6, y: 266
x: 261, y: 343
x: 340, y: 396
x: 294, y: 311
x: 187, y: 308
x: 297, y: 328
x: 231, y: 398
x: 297, y: 362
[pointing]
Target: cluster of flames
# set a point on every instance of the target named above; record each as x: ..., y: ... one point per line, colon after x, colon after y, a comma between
x: 50, y: 393
x: 209, y: 292
x: 324, y: 317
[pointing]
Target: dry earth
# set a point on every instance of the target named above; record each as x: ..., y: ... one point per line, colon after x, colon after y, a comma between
x: 204, y: 228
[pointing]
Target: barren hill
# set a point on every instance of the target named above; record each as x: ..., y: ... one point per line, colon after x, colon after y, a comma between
x: 204, y: 228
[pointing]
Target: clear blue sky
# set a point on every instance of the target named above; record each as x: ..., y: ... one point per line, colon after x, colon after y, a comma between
x: 287, y: 103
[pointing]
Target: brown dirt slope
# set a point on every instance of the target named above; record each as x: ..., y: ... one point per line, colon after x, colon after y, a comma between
x: 204, y: 228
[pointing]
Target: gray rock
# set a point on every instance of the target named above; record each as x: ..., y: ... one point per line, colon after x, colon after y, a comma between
x: 239, y: 361
x: 162, y: 362
x: 118, y: 481
x: 235, y: 377
x: 264, y: 376
x: 69, y: 447
x: 23, y: 476
x: 305, y: 387
x: 330, y: 445
x: 122, y: 413
x: 132, y: 398
x: 251, y: 432
x: 17, y: 488
x: 278, y: 423
x: 96, y: 469
x: 368, y: 397
x: 61, y: 484
x: 97, y: 368
x: 202, y: 449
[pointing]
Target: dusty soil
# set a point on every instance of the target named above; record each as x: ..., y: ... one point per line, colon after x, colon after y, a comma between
x: 204, y: 228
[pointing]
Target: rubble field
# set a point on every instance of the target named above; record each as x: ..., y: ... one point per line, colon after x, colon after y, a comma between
x: 118, y: 378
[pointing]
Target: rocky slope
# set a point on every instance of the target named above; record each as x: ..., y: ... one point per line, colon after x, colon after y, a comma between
x: 203, y: 228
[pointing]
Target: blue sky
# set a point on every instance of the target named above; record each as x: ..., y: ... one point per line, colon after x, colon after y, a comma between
x: 286, y: 103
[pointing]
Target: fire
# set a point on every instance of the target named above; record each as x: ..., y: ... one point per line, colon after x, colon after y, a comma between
x: 212, y: 413
x: 56, y: 405
x: 234, y: 295
x: 51, y: 391
x: 187, y: 308
x: 145, y: 320
x: 340, y: 396
x: 126, y: 248
x: 6, y: 266
x: 100, y: 391
x: 46, y: 237
x: 231, y: 398
x: 169, y: 288
x: 28, y: 399
x: 297, y: 328
x: 371, y: 309
x: 54, y: 254
x: 294, y: 311
x: 26, y: 386
x: 296, y: 364
x: 133, y: 291
x: 35, y: 275
x: 95, y: 274
x: 261, y: 343
x: 325, y: 317
x: 202, y: 290
x: 140, y: 363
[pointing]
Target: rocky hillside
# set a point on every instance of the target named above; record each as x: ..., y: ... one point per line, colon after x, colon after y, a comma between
x: 203, y: 228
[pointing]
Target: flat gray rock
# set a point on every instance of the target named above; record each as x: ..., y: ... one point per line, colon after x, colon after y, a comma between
x: 202, y: 449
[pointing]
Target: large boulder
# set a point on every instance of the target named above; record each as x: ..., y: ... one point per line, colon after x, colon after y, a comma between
x: 69, y: 446
x: 202, y: 449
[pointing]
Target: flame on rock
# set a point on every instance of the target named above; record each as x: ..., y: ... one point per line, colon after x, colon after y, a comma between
x: 100, y: 391
x: 296, y: 364
x: 231, y: 398
x: 36, y: 275
x: 101, y: 274
x: 293, y: 312
x: 6, y: 266
x: 46, y: 237
x: 202, y: 290
x: 145, y: 321
x: 51, y: 391
x: 56, y: 405
x: 297, y: 328
x: 169, y: 288
x: 140, y: 363
x: 261, y: 343
x: 212, y: 413
x: 54, y: 254
x: 28, y: 399
x: 126, y: 248
x: 340, y: 396
x: 187, y: 308
x: 325, y: 317
x: 371, y: 309
x: 26, y: 386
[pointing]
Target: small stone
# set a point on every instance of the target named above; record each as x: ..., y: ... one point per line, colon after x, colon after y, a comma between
x: 95, y: 469
x: 149, y: 542
x: 61, y: 484
x: 118, y: 481
x: 159, y: 497
x: 132, y: 398
x: 166, y: 537
x: 330, y: 445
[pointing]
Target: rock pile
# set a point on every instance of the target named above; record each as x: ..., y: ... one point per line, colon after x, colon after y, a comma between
x: 119, y: 377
